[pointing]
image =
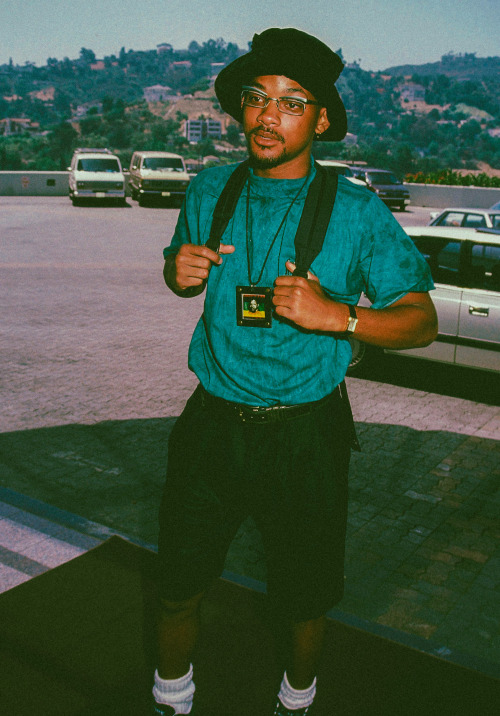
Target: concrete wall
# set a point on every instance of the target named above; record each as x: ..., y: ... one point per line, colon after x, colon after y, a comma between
x: 438, y: 196
x: 33, y: 183
x: 432, y: 195
x: 36, y: 183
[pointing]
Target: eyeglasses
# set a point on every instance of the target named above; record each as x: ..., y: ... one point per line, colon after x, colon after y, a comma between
x: 252, y: 97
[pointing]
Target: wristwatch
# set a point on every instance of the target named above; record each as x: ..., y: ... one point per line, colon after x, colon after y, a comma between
x: 352, y: 320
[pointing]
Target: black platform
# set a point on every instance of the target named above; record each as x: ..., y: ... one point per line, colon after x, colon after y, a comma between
x: 77, y: 641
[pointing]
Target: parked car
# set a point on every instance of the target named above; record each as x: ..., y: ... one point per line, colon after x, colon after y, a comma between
x: 467, y: 218
x: 157, y: 175
x: 386, y: 185
x: 465, y: 265
x: 96, y: 174
x: 340, y: 168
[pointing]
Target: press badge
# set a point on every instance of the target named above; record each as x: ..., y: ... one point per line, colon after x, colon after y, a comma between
x: 254, y: 306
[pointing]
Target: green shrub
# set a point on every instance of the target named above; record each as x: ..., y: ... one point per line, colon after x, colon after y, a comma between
x: 449, y: 177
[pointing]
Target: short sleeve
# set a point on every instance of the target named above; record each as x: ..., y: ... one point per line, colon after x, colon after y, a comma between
x: 390, y: 263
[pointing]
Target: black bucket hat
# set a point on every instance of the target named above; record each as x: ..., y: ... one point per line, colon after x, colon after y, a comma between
x: 294, y: 54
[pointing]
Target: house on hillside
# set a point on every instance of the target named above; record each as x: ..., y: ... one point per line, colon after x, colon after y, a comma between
x: 411, y: 92
x: 82, y: 110
x: 157, y: 93
x: 17, y: 125
x: 163, y: 48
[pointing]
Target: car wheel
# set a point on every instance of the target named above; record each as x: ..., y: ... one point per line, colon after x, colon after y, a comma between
x: 402, y: 207
x: 360, y: 356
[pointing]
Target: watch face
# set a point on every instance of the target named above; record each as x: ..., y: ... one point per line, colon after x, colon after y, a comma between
x: 351, y: 324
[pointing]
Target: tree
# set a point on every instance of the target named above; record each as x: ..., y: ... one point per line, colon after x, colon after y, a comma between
x: 233, y: 135
x: 87, y: 57
x: 61, y: 141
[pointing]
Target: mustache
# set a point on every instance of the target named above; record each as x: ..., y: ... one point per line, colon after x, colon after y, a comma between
x: 270, y: 133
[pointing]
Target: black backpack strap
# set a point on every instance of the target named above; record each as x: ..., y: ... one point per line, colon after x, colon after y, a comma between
x: 315, y: 218
x: 309, y: 240
x: 226, y: 204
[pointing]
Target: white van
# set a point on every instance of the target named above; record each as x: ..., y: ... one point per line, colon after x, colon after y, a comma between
x: 157, y: 175
x: 96, y: 174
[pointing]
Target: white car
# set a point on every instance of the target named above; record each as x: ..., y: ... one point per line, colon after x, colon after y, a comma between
x: 465, y: 265
x: 96, y: 174
x: 341, y: 168
x: 467, y: 218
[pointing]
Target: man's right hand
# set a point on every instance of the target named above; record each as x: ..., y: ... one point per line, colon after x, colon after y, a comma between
x: 190, y: 266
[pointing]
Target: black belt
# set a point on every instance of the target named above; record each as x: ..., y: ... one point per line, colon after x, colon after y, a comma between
x: 259, y: 413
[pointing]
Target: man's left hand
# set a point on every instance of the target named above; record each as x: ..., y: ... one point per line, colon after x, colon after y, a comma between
x: 304, y: 302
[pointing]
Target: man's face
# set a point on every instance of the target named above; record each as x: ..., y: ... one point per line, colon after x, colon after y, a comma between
x: 279, y: 144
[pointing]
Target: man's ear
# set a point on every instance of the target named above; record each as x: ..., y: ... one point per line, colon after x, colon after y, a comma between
x: 322, y: 123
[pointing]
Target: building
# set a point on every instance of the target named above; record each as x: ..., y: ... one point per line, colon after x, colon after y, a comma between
x: 82, y: 110
x: 164, y: 48
x: 411, y: 92
x: 17, y: 125
x: 157, y: 93
x: 195, y: 130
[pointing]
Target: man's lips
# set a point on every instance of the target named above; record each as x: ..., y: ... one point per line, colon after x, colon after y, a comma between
x: 266, y: 138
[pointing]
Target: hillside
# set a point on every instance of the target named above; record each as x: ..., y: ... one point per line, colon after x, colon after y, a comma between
x: 408, y: 118
x: 460, y: 67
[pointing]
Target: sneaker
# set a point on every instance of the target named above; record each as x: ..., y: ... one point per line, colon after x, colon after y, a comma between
x: 281, y: 710
x: 162, y: 710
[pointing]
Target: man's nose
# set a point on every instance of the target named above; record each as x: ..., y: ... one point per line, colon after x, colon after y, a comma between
x: 271, y: 113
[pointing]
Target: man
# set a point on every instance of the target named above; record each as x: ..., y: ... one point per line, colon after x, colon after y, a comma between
x: 289, y: 404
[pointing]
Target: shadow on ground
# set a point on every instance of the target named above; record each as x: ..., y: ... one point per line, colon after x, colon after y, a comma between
x: 422, y: 553
x: 432, y: 377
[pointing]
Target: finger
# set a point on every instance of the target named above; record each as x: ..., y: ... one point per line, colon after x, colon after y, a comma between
x: 290, y: 266
x: 226, y: 249
x: 290, y: 281
x: 189, y: 251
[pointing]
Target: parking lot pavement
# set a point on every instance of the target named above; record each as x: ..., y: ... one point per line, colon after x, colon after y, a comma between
x: 94, y: 373
x: 31, y: 544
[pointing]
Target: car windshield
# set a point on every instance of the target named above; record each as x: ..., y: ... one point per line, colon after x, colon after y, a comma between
x: 163, y: 164
x: 383, y: 178
x: 495, y: 220
x: 98, y: 165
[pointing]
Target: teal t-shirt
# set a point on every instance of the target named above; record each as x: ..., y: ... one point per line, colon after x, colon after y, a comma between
x: 365, y: 250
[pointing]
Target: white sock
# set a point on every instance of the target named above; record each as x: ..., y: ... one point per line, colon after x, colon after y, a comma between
x: 295, y: 699
x: 177, y: 693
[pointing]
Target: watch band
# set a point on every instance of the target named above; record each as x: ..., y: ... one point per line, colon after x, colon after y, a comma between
x: 352, y: 320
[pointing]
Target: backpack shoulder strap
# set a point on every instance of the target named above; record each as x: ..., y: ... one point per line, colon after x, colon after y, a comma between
x: 315, y: 219
x: 226, y: 204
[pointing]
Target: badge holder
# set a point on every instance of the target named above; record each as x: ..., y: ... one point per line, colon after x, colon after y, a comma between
x: 254, y: 306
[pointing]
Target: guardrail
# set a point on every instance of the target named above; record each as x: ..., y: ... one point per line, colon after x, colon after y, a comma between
x: 432, y: 195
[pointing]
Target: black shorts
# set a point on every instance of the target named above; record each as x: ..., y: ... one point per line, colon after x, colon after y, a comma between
x: 290, y: 476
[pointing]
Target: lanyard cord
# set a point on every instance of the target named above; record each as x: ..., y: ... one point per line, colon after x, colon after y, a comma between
x: 249, y: 240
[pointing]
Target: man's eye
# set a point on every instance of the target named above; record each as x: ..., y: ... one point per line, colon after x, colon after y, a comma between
x: 257, y: 98
x: 292, y: 105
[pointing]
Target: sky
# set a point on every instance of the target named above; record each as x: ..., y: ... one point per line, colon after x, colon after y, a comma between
x: 376, y: 33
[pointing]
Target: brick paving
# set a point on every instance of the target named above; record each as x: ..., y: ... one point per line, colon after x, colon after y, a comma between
x: 94, y: 373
